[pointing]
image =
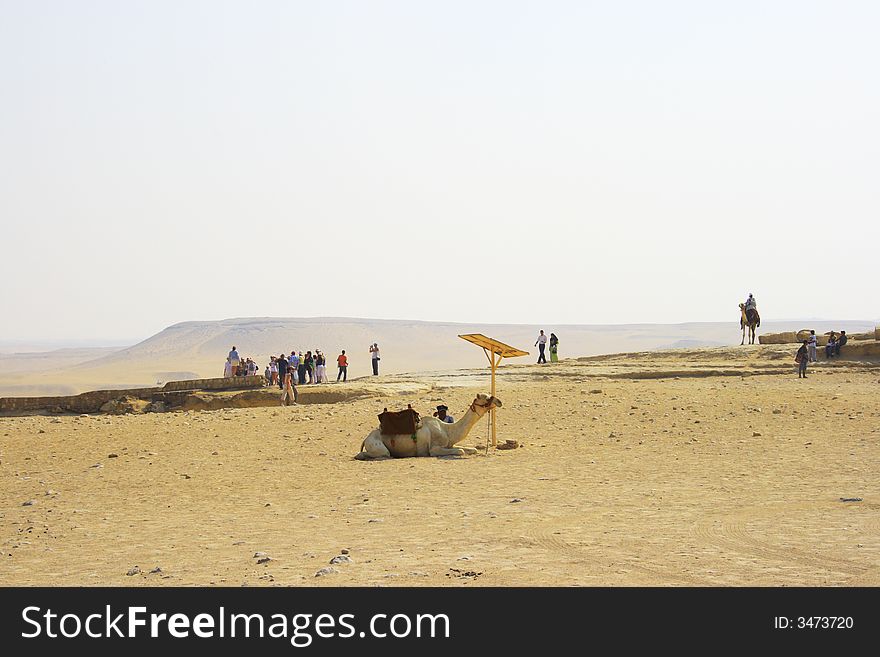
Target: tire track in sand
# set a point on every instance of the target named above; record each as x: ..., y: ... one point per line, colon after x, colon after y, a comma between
x: 731, y: 532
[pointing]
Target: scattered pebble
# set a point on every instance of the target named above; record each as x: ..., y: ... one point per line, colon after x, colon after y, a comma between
x: 326, y: 570
x: 133, y: 571
x: 342, y: 558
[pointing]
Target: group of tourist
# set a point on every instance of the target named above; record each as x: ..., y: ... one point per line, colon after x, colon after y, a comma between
x: 238, y: 366
x: 807, y: 352
x: 303, y: 369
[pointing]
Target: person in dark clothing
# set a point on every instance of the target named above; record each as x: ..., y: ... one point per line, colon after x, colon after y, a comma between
x: 802, y: 358
x: 840, y: 342
x: 301, y: 369
x: 310, y: 366
x: 282, y: 370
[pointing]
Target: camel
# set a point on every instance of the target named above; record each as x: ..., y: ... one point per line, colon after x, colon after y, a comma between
x: 750, y: 319
x: 432, y: 438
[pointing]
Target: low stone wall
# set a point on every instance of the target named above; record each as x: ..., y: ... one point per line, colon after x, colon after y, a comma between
x: 91, y: 402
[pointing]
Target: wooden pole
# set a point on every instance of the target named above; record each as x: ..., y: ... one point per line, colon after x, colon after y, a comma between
x: 492, y: 410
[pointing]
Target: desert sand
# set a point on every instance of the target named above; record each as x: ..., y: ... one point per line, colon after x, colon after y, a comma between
x: 710, y: 467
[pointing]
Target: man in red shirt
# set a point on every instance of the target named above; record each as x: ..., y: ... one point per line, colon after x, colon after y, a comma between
x: 342, y: 361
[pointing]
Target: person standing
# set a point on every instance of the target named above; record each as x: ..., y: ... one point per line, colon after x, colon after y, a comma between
x: 811, y: 346
x: 301, y: 369
x: 273, y: 370
x: 234, y: 360
x: 342, y: 362
x: 283, y: 366
x: 541, y: 343
x: 554, y: 346
x: 310, y: 366
x: 802, y: 358
x: 374, y: 357
x: 293, y: 361
x: 320, y: 367
x: 227, y: 369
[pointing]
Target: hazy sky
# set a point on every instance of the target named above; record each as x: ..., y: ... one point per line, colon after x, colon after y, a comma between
x: 540, y: 162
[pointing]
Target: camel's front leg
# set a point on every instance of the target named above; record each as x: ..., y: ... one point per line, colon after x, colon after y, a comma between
x: 373, y: 447
x: 447, y: 451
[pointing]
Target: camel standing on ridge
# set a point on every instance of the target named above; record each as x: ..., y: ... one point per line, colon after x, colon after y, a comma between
x: 750, y: 319
x: 432, y: 438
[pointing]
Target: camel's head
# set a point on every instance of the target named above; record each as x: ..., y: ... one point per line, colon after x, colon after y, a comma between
x: 483, y: 403
x: 742, y: 306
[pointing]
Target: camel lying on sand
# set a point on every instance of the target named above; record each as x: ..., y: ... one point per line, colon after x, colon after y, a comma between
x: 432, y: 438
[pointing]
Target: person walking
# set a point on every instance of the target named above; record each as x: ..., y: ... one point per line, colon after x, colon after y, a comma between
x: 541, y: 343
x: 288, y: 394
x: 802, y: 358
x: 554, y: 346
x: 811, y: 346
x: 342, y: 362
x: 374, y: 357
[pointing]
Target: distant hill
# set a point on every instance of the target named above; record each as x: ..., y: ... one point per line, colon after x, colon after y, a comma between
x: 198, y: 349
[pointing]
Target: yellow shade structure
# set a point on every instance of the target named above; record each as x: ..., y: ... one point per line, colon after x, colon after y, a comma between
x: 495, y: 351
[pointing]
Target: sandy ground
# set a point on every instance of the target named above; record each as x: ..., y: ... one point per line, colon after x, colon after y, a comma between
x: 708, y: 479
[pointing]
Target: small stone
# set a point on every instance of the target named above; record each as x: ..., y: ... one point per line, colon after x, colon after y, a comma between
x: 343, y: 551
x: 260, y: 555
x: 515, y: 500
x: 596, y: 391
x: 133, y: 571
x: 113, y: 456
x: 756, y: 434
x: 156, y: 571
x: 776, y: 411
x: 342, y: 558
x: 264, y: 560
x: 326, y: 570
x: 29, y: 503
x: 376, y: 520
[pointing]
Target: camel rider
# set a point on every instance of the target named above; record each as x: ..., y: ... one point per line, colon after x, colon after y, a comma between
x: 752, y: 305
x: 442, y: 415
